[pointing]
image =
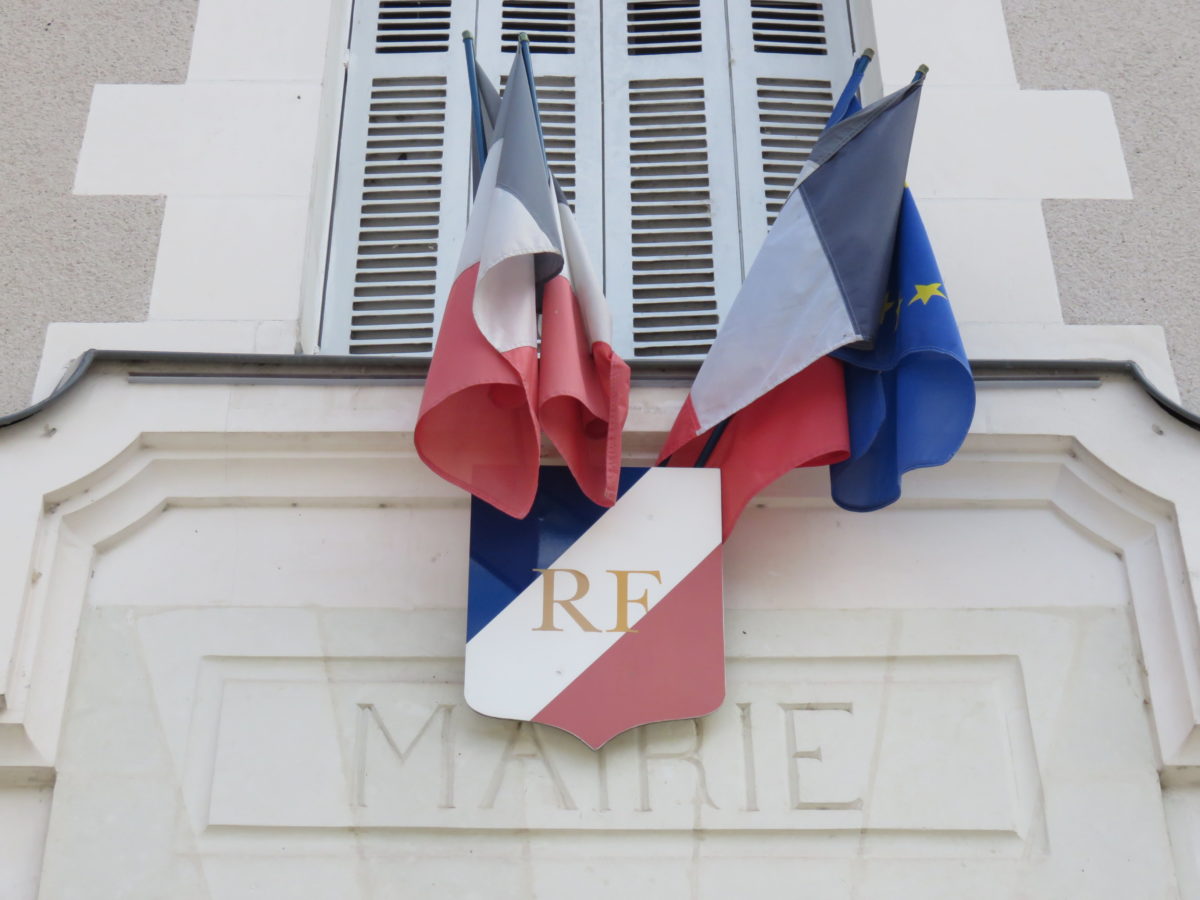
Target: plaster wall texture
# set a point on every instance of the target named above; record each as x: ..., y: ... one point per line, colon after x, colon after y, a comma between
x: 1120, y: 261
x: 65, y: 257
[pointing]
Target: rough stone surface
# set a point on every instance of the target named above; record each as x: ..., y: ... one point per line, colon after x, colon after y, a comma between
x: 63, y: 257
x: 1121, y: 261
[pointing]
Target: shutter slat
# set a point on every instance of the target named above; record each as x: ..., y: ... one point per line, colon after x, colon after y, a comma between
x: 653, y: 29
x: 670, y: 159
x: 400, y: 209
x: 567, y: 75
x: 670, y: 207
x: 790, y: 58
x: 551, y: 27
x: 412, y: 26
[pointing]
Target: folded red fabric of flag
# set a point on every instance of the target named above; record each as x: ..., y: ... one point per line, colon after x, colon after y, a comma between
x: 801, y: 422
x: 489, y: 393
x: 817, y: 284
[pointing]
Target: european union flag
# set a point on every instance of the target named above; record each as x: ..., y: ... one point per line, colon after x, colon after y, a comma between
x: 911, y: 397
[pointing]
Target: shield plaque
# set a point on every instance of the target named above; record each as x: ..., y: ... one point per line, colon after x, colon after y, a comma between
x: 593, y: 619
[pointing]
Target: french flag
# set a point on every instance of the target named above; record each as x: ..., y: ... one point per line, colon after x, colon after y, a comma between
x: 489, y: 393
x: 597, y: 620
x: 768, y: 397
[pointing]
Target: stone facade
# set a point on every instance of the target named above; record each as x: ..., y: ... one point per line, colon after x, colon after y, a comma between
x: 1126, y: 262
x: 66, y: 258
x: 88, y: 247
x: 232, y: 598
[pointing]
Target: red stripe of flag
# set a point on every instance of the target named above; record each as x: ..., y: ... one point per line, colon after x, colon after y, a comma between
x: 584, y: 395
x: 477, y: 426
x: 802, y: 422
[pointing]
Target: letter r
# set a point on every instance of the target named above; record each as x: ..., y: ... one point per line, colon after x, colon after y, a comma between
x: 548, y: 601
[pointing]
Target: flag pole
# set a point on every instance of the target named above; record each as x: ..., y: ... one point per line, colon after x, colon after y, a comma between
x: 523, y: 42
x: 710, y: 445
x: 852, y: 84
x: 476, y: 106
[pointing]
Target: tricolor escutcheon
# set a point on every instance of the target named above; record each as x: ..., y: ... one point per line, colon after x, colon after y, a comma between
x: 597, y: 620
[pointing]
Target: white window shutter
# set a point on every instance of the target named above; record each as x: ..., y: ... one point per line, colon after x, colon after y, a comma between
x: 566, y: 64
x: 789, y: 62
x: 403, y: 180
x: 672, y: 257
x: 676, y: 135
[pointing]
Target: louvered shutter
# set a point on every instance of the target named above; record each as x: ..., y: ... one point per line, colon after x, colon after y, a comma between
x: 402, y: 186
x: 640, y: 130
x: 671, y: 229
x: 789, y: 61
x: 566, y: 65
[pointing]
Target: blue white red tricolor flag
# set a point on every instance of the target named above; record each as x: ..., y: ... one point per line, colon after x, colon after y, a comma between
x: 597, y: 620
x: 768, y: 389
x: 489, y: 394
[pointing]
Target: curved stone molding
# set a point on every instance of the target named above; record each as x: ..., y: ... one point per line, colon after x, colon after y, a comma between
x: 163, y: 471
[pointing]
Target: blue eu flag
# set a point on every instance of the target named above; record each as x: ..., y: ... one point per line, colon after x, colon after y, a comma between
x: 910, y: 398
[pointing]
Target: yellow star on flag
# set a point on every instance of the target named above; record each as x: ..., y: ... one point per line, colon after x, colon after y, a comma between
x: 926, y: 292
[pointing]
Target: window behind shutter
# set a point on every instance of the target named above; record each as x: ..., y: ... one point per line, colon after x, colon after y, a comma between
x: 402, y: 191
x: 672, y: 255
x: 790, y: 60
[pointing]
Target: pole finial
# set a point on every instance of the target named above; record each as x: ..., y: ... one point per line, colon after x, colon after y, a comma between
x: 869, y: 53
x: 922, y: 70
x: 467, y: 36
x: 523, y: 38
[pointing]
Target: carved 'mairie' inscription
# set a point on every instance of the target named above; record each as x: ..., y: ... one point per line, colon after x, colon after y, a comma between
x: 528, y: 764
x: 801, y: 745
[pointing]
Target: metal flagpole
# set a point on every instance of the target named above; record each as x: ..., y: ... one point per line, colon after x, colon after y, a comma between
x: 852, y: 83
x: 523, y: 42
x: 710, y: 445
x: 476, y: 105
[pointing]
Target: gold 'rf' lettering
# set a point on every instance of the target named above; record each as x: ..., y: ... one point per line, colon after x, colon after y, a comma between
x: 582, y: 586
